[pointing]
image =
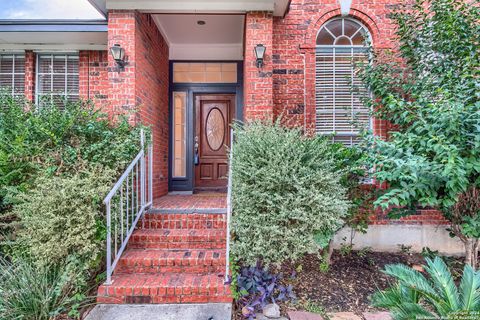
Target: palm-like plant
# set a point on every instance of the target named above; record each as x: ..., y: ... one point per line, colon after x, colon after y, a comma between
x: 415, y: 296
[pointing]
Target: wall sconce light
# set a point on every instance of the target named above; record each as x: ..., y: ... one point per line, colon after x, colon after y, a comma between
x: 345, y: 6
x: 118, y: 54
x: 260, y: 53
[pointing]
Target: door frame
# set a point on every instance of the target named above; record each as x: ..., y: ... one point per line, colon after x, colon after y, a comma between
x: 186, y: 184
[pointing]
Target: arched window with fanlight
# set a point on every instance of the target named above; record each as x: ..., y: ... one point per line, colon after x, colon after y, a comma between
x: 340, y: 48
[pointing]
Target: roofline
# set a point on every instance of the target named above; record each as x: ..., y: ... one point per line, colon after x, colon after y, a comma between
x: 100, y: 6
x: 53, y: 26
x: 53, y: 22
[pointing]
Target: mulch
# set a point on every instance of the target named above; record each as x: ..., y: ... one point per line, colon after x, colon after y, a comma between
x: 351, y: 279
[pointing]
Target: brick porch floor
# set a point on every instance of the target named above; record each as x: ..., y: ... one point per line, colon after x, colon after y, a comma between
x: 193, y: 202
x: 176, y: 254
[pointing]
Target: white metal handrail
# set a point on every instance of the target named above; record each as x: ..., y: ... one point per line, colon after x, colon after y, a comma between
x: 125, y: 204
x: 229, y: 207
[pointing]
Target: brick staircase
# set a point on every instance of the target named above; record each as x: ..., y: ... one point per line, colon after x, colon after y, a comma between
x: 172, y: 258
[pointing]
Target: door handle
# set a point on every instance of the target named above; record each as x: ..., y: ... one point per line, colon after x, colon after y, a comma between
x: 196, y: 157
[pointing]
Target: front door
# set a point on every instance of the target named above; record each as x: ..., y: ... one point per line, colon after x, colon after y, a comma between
x: 213, y: 114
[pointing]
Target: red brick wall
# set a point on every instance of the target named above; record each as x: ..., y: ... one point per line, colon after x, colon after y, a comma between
x: 141, y: 89
x: 293, y: 55
x: 93, y: 77
x: 121, y: 30
x: 30, y: 63
x: 151, y: 93
x: 258, y: 93
x: 422, y: 216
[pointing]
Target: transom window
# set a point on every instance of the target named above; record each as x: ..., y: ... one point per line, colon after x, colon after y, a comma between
x: 57, y: 78
x: 12, y: 73
x: 339, y: 111
x: 199, y: 72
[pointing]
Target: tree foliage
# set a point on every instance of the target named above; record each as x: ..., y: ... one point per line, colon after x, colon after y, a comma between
x: 429, y: 90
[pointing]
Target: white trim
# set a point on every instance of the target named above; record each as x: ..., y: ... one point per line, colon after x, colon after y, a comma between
x: 52, y: 47
x: 44, y: 51
x: 226, y: 51
x: 161, y: 29
x: 278, y: 7
x: 10, y: 51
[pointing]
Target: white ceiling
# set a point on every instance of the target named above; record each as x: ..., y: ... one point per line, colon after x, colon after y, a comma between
x: 183, y: 28
x: 221, y: 38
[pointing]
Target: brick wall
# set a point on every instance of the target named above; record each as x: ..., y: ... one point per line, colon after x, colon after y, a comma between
x: 141, y: 89
x: 30, y: 63
x: 293, y: 55
x: 258, y: 93
x: 151, y: 93
x: 93, y: 77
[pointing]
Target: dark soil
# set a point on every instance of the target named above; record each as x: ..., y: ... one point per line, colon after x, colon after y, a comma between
x: 351, y: 279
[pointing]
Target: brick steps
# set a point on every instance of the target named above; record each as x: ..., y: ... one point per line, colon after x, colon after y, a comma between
x: 172, y: 258
x: 184, y: 221
x: 164, y: 288
x: 178, y: 239
x: 175, y: 261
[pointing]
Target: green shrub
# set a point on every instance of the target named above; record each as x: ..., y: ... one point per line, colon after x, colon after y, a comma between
x: 30, y: 292
x: 285, y: 190
x: 437, y: 297
x: 63, y: 216
x: 57, y: 141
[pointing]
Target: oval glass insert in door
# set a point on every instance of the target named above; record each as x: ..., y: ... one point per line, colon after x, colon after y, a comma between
x: 215, y: 129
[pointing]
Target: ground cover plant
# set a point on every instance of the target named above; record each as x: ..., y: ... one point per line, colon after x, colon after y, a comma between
x: 415, y: 296
x: 56, y: 166
x: 429, y: 91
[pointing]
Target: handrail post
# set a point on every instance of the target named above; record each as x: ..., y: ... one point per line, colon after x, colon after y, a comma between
x: 142, y: 170
x: 109, y: 244
x: 229, y: 206
x: 150, y: 171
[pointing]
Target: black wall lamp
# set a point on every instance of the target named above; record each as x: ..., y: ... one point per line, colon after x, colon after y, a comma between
x: 118, y: 54
x: 260, y: 53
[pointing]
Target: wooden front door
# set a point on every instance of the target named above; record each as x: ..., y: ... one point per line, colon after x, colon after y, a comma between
x: 213, y: 114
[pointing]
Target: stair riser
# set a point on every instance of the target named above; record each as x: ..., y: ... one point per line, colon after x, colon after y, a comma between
x: 164, y: 299
x: 185, y: 221
x: 173, y: 269
x: 176, y: 245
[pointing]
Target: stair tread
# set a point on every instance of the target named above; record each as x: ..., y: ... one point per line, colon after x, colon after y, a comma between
x: 202, y: 255
x: 166, y: 280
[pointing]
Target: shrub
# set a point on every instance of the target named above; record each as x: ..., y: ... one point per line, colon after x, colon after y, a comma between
x: 30, y: 292
x: 36, y: 140
x: 63, y: 216
x: 285, y: 190
x: 416, y: 297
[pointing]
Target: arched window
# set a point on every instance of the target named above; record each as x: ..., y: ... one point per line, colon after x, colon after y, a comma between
x: 339, y: 111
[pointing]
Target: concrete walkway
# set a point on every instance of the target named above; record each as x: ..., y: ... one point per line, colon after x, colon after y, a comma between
x: 208, y: 311
x: 302, y: 315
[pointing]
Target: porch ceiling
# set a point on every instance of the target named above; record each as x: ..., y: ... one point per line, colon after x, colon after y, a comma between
x: 220, y: 37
